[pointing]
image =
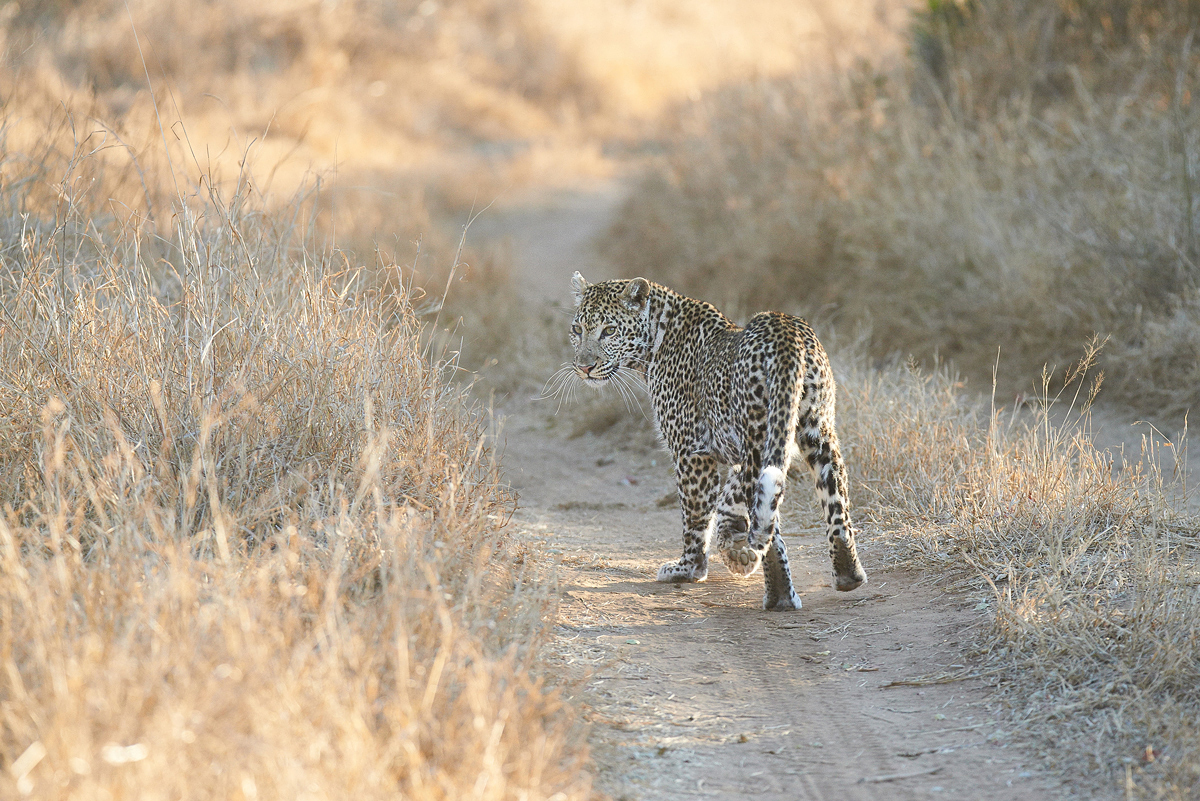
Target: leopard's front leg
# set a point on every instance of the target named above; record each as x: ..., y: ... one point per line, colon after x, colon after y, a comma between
x: 733, y: 526
x: 697, y: 477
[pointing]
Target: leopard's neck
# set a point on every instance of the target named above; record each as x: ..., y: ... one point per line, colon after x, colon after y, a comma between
x: 681, y: 325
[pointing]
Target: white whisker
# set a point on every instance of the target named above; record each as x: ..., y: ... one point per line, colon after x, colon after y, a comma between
x: 627, y: 384
x: 561, y: 386
x: 554, y: 384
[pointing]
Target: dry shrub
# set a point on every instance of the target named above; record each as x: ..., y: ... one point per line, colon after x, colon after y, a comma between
x: 987, y: 55
x: 252, y: 536
x: 1091, y: 568
x: 960, y: 207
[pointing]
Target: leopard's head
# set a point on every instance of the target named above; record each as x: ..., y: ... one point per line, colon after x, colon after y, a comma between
x: 611, y: 328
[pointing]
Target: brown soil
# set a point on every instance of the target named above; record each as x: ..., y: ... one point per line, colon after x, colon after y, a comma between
x: 694, y: 691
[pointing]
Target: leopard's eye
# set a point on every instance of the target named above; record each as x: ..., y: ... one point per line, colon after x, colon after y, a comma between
x: 608, y: 331
x: 576, y: 330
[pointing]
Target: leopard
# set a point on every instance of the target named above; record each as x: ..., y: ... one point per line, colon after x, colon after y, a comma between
x: 745, y: 401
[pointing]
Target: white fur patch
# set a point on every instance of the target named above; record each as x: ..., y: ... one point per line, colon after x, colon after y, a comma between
x: 770, y: 483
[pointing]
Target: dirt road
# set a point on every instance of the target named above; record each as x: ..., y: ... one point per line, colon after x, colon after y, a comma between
x: 696, y: 692
x: 693, y: 690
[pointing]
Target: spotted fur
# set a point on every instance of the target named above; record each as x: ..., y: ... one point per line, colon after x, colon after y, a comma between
x: 748, y: 398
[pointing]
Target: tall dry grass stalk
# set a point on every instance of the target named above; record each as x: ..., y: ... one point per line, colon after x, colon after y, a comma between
x: 252, y: 538
x: 1089, y: 566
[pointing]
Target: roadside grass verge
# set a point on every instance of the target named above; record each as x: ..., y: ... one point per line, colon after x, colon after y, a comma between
x: 252, y: 538
x: 1088, y: 565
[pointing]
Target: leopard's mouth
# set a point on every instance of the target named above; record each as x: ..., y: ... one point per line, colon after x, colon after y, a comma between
x: 598, y: 377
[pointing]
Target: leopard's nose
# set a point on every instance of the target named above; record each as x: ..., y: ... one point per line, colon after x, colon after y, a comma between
x: 587, y: 369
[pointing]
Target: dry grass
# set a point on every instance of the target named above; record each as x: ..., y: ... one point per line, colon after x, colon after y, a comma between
x: 408, y: 110
x: 1029, y: 184
x: 1090, y: 570
x: 252, y: 537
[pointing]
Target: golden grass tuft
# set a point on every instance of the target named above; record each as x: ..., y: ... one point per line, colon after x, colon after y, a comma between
x: 252, y: 538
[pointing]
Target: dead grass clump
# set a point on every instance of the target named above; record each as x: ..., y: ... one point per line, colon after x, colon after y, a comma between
x: 1163, y: 360
x: 252, y: 538
x: 1090, y: 567
x: 953, y: 217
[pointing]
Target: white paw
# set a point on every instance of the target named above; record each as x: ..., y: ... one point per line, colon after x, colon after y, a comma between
x: 741, y: 558
x: 675, y: 573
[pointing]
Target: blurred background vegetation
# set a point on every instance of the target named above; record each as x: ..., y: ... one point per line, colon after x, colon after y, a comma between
x: 404, y: 110
x: 985, y: 182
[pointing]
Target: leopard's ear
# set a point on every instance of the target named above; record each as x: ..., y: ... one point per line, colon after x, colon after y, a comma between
x: 636, y: 293
x: 578, y: 284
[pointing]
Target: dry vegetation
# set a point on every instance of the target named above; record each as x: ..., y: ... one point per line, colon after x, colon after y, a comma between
x: 252, y: 537
x: 252, y: 541
x: 393, y: 105
x: 1025, y: 180
x: 1088, y: 569
x: 408, y: 110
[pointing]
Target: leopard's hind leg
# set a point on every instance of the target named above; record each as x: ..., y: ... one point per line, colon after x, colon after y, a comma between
x: 818, y: 443
x: 779, y: 593
x: 772, y: 399
x: 733, y: 526
x: 749, y: 533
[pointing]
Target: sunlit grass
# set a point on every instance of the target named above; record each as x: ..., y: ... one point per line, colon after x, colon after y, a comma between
x: 252, y: 541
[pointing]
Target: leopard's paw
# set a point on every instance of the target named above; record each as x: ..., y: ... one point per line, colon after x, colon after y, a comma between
x: 782, y: 603
x: 741, y: 558
x: 729, y: 528
x: 851, y: 580
x: 679, y: 573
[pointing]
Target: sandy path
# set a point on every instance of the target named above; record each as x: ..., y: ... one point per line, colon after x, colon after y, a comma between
x: 696, y: 692
x: 693, y: 690
x: 549, y: 236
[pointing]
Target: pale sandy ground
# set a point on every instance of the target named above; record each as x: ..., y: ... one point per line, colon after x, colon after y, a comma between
x: 693, y: 691
x: 696, y: 692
